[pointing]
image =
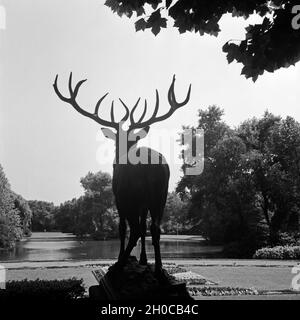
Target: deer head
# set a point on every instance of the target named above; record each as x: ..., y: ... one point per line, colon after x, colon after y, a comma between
x: 128, y: 137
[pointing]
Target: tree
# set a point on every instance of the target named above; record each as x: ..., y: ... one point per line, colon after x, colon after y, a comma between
x: 175, y: 213
x: 268, y: 46
x: 249, y: 191
x: 223, y: 200
x: 65, y: 216
x: 93, y: 213
x: 10, y: 223
x: 273, y: 156
x: 210, y: 121
x: 97, y: 183
x: 25, y: 213
x: 97, y: 205
x: 42, y: 215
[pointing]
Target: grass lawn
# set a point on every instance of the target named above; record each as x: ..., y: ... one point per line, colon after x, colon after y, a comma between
x: 260, y: 277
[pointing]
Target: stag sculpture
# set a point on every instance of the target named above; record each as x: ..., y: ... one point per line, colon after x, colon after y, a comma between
x: 140, y: 187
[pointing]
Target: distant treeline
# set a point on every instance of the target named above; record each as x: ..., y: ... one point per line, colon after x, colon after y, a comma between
x: 94, y: 213
x: 247, y: 197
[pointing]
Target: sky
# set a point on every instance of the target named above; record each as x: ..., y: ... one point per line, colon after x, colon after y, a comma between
x: 46, y: 146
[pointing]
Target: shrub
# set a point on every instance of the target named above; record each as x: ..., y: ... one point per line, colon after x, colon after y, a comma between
x: 40, y: 289
x: 278, y: 252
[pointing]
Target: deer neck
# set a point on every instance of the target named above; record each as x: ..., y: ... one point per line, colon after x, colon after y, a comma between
x: 122, y: 151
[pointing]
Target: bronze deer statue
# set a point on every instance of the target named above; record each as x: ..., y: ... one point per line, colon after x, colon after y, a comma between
x: 138, y: 187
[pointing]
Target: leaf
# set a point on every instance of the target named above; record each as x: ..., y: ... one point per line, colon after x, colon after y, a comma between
x: 109, y: 3
x: 230, y: 57
x: 141, y: 24
x: 154, y: 17
x: 155, y: 29
x: 140, y: 11
x: 225, y: 47
x: 154, y: 4
x: 127, y: 10
x: 113, y: 4
x: 163, y: 23
x: 246, y: 71
x: 156, y: 22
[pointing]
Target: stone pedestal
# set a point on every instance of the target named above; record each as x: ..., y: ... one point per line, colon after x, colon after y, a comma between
x: 137, y: 283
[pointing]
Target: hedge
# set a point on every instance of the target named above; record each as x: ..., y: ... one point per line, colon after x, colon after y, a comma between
x: 278, y: 252
x: 44, y: 289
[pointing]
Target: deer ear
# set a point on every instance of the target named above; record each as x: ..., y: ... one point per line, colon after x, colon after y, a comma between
x: 142, y: 133
x: 108, y: 133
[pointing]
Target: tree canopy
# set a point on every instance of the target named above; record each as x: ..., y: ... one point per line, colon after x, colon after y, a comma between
x: 249, y: 191
x: 15, y: 214
x: 93, y: 213
x: 267, y: 46
x: 42, y: 215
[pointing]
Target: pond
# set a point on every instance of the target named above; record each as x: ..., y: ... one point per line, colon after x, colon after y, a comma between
x: 54, y: 246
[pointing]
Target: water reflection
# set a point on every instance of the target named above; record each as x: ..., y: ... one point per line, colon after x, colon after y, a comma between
x: 48, y: 246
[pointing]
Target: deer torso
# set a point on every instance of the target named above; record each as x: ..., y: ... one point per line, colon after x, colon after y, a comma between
x: 141, y: 185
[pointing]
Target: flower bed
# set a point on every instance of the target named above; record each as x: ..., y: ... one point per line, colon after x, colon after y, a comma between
x: 220, y: 291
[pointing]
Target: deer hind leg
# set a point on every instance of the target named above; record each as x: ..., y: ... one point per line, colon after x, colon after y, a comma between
x: 143, y: 224
x: 122, y: 233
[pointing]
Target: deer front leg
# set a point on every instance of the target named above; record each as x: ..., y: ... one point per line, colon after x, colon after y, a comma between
x: 124, y: 254
x: 155, y: 233
x: 122, y: 233
x: 156, y: 216
x: 159, y: 272
x: 133, y: 238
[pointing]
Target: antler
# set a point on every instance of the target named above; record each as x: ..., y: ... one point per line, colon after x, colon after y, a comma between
x: 172, y: 101
x: 72, y: 101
